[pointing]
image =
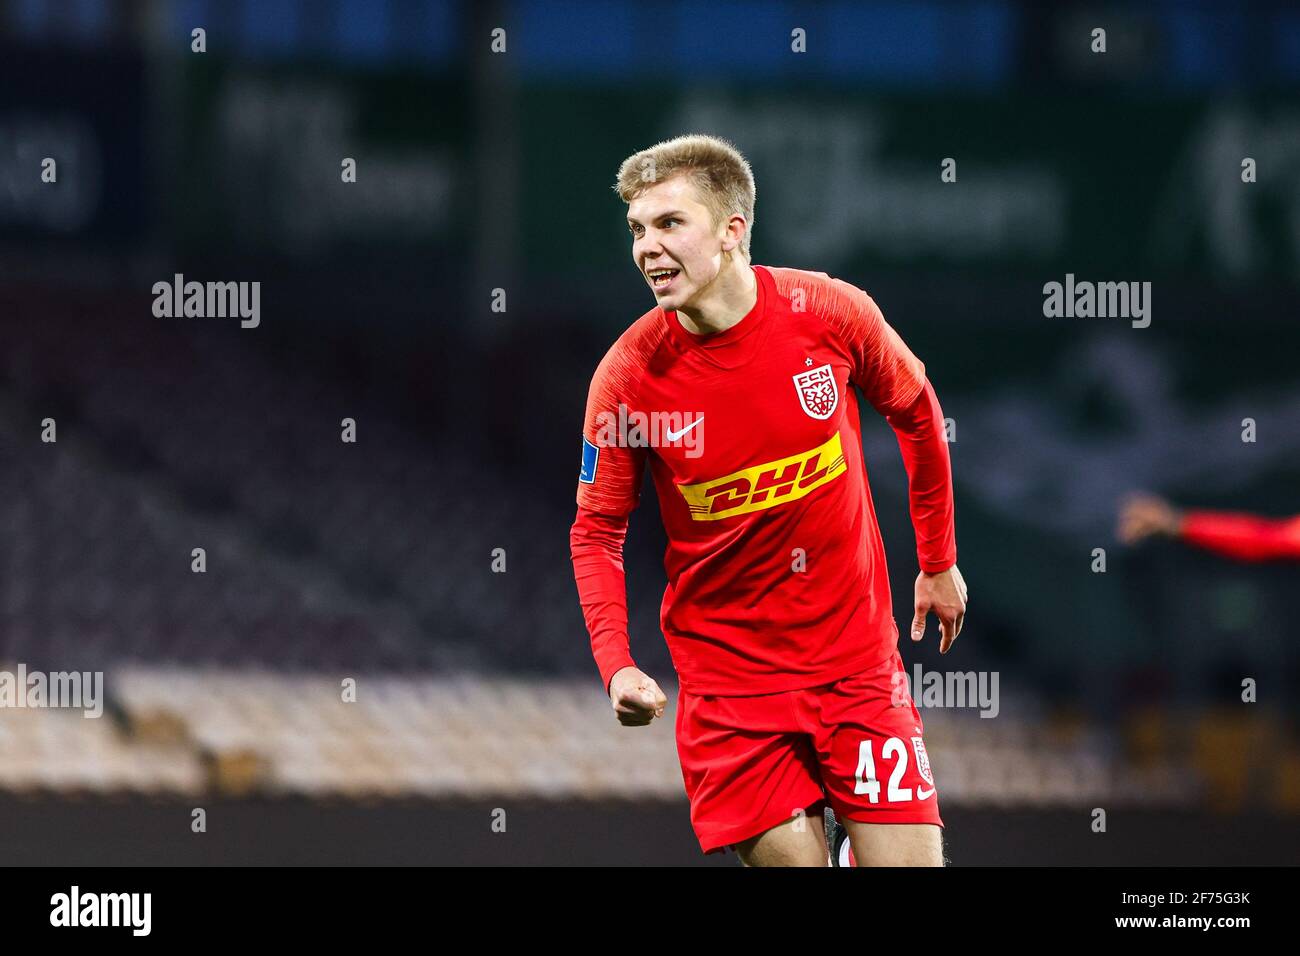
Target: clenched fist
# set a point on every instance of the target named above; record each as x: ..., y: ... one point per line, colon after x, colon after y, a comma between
x: 635, y: 697
x: 1148, y: 516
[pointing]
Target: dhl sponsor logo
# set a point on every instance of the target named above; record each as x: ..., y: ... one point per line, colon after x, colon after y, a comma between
x: 767, y: 485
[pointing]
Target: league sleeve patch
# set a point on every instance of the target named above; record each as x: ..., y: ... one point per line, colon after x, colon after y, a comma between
x: 590, y: 458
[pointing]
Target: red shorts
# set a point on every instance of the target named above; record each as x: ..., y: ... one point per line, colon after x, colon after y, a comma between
x: 751, y: 763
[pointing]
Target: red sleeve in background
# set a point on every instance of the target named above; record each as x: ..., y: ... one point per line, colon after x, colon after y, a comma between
x: 1243, y: 536
x: 596, y: 547
x: 920, y: 432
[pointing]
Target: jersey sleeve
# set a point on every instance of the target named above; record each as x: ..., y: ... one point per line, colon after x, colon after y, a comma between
x: 919, y: 429
x: 596, y: 548
x: 890, y: 376
x: 1244, y: 537
x: 609, y: 481
x: 609, y: 488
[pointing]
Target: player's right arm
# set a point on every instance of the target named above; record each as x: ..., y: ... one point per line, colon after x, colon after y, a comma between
x: 608, y: 490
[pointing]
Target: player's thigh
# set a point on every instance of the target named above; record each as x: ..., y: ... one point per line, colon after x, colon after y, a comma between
x: 874, y: 766
x: 799, y: 841
x: 746, y: 771
x: 895, y: 844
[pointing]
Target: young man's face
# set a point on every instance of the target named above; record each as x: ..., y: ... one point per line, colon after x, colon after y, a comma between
x: 672, y: 230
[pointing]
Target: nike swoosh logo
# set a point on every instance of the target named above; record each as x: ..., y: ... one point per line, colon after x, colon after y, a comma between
x: 922, y: 795
x: 673, y: 436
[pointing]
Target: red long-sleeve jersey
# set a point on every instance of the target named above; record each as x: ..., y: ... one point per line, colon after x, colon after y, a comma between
x: 776, y: 570
x: 1244, y: 537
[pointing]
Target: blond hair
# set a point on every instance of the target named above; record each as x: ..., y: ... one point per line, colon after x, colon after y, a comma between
x: 720, y: 174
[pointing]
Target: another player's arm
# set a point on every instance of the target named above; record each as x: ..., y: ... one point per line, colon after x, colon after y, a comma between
x: 608, y: 491
x: 1243, y: 537
x: 894, y: 382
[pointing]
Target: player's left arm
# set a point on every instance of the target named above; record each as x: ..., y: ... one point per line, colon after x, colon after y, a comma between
x: 940, y: 587
x: 894, y: 382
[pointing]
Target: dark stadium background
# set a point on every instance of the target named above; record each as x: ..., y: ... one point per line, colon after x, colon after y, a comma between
x: 477, y: 701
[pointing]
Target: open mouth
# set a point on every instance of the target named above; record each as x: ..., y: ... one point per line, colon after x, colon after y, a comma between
x: 662, y: 278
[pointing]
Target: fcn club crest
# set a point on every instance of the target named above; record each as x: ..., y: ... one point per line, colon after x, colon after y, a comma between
x: 817, y: 392
x: 922, y: 760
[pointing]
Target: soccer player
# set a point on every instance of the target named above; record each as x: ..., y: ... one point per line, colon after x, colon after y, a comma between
x: 1243, y: 537
x: 736, y: 390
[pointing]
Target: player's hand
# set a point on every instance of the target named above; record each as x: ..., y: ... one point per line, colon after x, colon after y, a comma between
x: 1145, y: 516
x: 944, y: 594
x: 635, y: 697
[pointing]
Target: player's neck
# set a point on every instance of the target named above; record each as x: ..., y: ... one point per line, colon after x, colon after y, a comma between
x: 727, y: 299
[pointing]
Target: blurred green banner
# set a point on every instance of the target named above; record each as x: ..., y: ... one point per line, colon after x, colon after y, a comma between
x: 847, y: 181
x: 261, y: 157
